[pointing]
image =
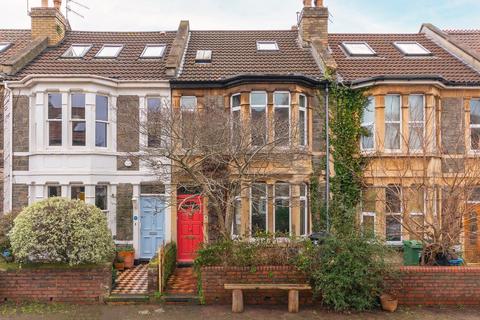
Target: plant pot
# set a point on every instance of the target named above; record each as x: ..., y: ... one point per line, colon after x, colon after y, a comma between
x: 389, y: 303
x: 120, y: 266
x: 128, y: 258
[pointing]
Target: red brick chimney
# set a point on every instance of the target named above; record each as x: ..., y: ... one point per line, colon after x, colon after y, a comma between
x: 313, y: 22
x: 49, y: 22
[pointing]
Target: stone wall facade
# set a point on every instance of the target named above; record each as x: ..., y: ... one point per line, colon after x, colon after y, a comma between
x: 20, y: 123
x: 128, y: 136
x: 56, y: 284
x: 19, y: 197
x: 124, y: 212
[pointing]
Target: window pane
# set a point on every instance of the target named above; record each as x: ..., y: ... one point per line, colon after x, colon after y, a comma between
x: 302, y: 101
x: 368, y: 226
x: 393, y: 228
x: 416, y: 109
x: 109, y: 51
x: 54, y: 191
x: 154, y: 120
x: 302, y: 119
x: 55, y: 133
x: 281, y: 99
x: 78, y: 133
x: 475, y: 111
x: 367, y: 140
x: 55, y: 106
x: 392, y: 198
x: 474, y: 195
x: 258, y: 99
x: 369, y: 200
x: 188, y: 103
x: 392, y: 108
x: 101, y: 134
x: 78, y: 106
x: 236, y: 101
x: 78, y: 193
x: 236, y: 128
x: 101, y: 197
x: 303, y: 217
x: 475, y: 138
x: 101, y: 108
x: 282, y: 190
x: 259, y: 208
x: 153, y: 51
x: 415, y: 140
x: 282, y: 126
x: 237, y: 217
x: 282, y: 216
x: 392, y: 136
x: 416, y: 227
x: 368, y: 115
x: 259, y: 126
x: 473, y: 228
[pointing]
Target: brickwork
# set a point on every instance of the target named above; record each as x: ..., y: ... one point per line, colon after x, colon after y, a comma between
x: 19, y: 197
x: 124, y: 212
x: 128, y: 137
x: 314, y: 25
x: 214, y: 278
x: 48, y: 22
x: 56, y: 284
x: 438, y: 286
x: 20, y: 123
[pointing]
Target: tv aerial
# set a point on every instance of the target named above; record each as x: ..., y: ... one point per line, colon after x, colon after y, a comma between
x: 69, y: 9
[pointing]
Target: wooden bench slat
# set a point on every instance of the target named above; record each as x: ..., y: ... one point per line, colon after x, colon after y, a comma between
x: 266, y: 286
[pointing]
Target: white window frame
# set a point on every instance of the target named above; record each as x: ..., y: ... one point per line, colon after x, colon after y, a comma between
x: 416, y: 214
x: 372, y: 100
x: 53, y: 185
x: 4, y: 46
x: 69, y: 194
x: 345, y: 45
x: 275, y: 107
x: 235, y: 109
x: 267, y: 42
x: 471, y: 127
x: 235, y: 201
x: 306, y: 211
x: 107, y: 210
x: 71, y: 120
x: 252, y: 106
x: 203, y: 56
x: 148, y: 46
x: 368, y: 213
x: 263, y: 198
x: 107, y: 122
x: 289, y: 198
x: 396, y: 214
x: 99, y: 53
x: 304, y: 109
x: 87, y: 49
x: 413, y: 123
x: 398, y: 45
x: 61, y: 120
x: 399, y: 122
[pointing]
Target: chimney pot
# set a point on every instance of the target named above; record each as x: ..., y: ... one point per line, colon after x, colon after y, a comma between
x: 307, y: 3
x: 45, y: 3
x: 57, y: 4
x: 318, y: 3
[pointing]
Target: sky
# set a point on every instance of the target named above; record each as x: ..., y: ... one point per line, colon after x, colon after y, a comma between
x: 370, y: 16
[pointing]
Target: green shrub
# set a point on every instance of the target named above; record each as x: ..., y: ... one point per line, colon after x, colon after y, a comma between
x: 58, y: 230
x: 169, y: 262
x: 6, y: 224
x: 348, y: 273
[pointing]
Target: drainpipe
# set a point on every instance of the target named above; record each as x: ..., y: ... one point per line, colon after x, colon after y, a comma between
x: 327, y: 169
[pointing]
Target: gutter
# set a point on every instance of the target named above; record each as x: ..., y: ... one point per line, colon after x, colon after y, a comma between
x: 409, y: 79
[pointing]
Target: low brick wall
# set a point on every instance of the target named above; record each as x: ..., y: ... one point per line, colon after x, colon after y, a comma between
x: 438, y: 285
x: 214, y: 278
x: 152, y: 278
x: 83, y: 284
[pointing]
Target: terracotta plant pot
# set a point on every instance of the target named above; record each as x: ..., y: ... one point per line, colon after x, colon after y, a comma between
x: 128, y: 258
x: 389, y: 303
x: 120, y: 266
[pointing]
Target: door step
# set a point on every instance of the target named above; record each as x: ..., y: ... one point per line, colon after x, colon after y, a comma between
x: 127, y: 299
x: 181, y: 299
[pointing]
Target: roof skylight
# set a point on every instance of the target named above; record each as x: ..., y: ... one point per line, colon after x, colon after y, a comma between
x: 153, y: 51
x: 109, y: 51
x: 77, y: 51
x: 267, y: 46
x: 358, y: 48
x: 204, y: 56
x: 4, y: 46
x: 412, y: 48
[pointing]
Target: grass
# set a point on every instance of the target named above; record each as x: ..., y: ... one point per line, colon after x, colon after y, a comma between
x: 11, y: 309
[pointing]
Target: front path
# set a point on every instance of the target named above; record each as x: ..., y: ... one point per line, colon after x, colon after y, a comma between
x: 170, y: 312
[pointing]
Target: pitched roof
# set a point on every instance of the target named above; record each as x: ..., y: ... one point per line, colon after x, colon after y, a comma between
x: 19, y: 40
x: 391, y: 63
x: 127, y: 66
x: 469, y: 38
x: 234, y: 53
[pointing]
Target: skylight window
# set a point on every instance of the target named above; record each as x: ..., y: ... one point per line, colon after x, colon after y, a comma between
x: 153, y: 51
x: 358, y: 49
x: 109, y: 51
x: 77, y: 51
x: 267, y: 46
x: 203, y: 56
x: 4, y: 46
x: 412, y: 49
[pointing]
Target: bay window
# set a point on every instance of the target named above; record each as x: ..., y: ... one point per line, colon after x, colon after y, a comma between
x: 258, y: 118
x: 393, y: 120
x: 236, y: 120
x: 302, y: 120
x: 54, y: 191
x: 416, y: 121
x: 78, y: 119
x: 368, y: 125
x: 282, y: 208
x: 258, y: 208
x: 77, y: 193
x: 54, y: 119
x: 281, y: 102
x: 475, y: 124
x: 393, y: 218
x: 101, y: 121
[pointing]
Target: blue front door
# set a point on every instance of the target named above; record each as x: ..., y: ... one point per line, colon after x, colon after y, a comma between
x: 152, y: 218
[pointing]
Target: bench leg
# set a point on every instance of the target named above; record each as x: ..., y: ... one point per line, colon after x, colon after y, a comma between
x: 293, y: 301
x: 237, y: 301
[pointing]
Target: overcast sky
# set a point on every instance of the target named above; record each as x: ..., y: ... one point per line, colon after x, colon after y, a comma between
x: 346, y: 15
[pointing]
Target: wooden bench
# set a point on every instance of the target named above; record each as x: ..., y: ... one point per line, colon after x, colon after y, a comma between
x: 237, y: 293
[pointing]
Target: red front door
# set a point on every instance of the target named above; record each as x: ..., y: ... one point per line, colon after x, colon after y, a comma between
x: 189, y: 227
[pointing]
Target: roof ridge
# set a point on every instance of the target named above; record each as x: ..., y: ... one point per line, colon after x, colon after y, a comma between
x: 373, y: 34
x: 119, y: 32
x: 246, y: 30
x: 461, y: 30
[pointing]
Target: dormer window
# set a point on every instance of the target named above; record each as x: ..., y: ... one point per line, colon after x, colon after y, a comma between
x: 77, y: 51
x: 267, y: 46
x: 358, y: 49
x: 4, y: 46
x: 153, y: 51
x: 203, y: 56
x: 412, y: 48
x: 109, y: 51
